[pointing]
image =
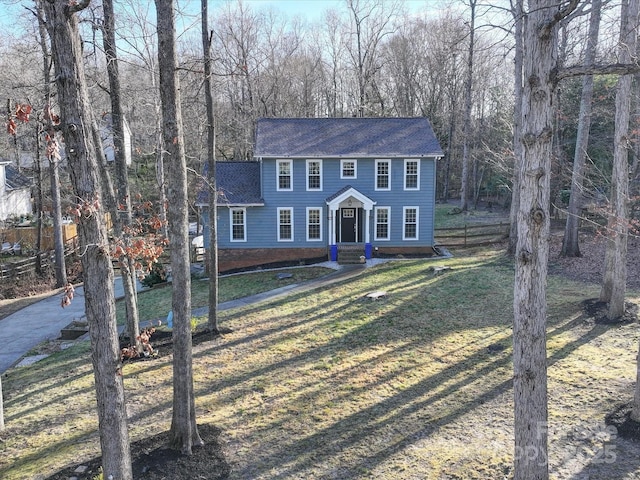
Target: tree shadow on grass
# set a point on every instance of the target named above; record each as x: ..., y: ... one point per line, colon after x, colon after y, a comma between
x: 363, y: 428
x: 433, y: 402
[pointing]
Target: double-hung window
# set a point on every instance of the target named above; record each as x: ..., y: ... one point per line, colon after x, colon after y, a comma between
x: 285, y: 175
x: 348, y: 169
x: 382, y: 222
x: 314, y: 224
x: 238, y: 221
x: 314, y: 174
x: 410, y: 223
x: 411, y: 175
x: 285, y: 224
x: 383, y: 175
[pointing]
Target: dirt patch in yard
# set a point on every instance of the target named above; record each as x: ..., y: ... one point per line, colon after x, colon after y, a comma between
x: 152, y: 460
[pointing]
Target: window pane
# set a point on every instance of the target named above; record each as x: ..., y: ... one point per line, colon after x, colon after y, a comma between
x: 237, y: 228
x: 284, y: 175
x: 382, y: 223
x: 286, y: 231
x: 411, y: 179
x: 314, y: 225
x: 348, y: 169
x: 284, y: 182
x: 382, y: 177
x: 410, y: 223
x: 314, y: 175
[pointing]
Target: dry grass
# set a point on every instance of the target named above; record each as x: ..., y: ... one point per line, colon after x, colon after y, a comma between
x: 156, y: 303
x: 332, y: 385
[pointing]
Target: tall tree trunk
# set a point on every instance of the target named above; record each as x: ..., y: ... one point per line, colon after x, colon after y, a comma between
x: 56, y: 214
x: 212, y: 251
x: 122, y: 211
x: 468, y: 104
x: 184, y: 431
x: 615, y: 279
x: 570, y: 242
x: 76, y: 126
x: 518, y: 16
x: 532, y: 250
x: 39, y: 198
x: 1, y: 407
x: 54, y: 174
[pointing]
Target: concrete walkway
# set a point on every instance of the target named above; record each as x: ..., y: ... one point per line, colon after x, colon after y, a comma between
x: 25, y: 329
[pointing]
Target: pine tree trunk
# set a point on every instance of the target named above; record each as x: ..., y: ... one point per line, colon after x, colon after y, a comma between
x: 184, y: 431
x: 76, y: 126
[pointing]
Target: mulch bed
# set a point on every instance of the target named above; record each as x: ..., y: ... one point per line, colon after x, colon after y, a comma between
x: 152, y: 460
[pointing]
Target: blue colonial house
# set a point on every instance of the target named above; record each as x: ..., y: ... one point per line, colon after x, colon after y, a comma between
x: 336, y: 188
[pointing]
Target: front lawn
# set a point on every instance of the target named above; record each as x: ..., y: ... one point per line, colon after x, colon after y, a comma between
x: 156, y: 303
x: 332, y: 385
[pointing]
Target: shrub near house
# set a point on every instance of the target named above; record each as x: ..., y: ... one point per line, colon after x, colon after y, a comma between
x: 336, y: 188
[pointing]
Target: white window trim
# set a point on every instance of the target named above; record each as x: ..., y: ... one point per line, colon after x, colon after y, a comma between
x: 404, y: 223
x: 320, y: 225
x: 244, y: 224
x: 290, y: 209
x: 375, y: 176
x: 278, y: 162
x: 355, y: 169
x: 406, y: 162
x: 307, y: 175
x: 375, y: 217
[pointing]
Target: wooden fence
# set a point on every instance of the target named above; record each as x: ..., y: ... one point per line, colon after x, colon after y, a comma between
x: 472, y: 235
x: 26, y: 236
x: 12, y: 268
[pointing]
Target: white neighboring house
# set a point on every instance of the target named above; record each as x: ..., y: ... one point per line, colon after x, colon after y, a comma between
x: 15, y: 192
x: 106, y: 132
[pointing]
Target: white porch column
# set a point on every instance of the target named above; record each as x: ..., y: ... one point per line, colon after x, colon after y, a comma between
x: 367, y: 222
x: 332, y: 225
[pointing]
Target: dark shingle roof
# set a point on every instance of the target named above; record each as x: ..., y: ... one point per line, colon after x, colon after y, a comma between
x: 15, y: 179
x: 238, y: 183
x: 345, y: 137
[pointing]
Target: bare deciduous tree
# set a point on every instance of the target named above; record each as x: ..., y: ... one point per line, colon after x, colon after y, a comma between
x: 212, y: 252
x: 570, y: 242
x: 184, y: 430
x: 615, y: 278
x: 122, y: 210
x: 76, y: 126
x: 532, y: 250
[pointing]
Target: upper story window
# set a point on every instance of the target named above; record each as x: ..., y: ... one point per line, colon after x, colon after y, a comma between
x: 348, y: 169
x: 238, y: 222
x: 383, y: 175
x: 285, y: 175
x: 314, y: 224
x: 285, y: 224
x: 410, y: 223
x: 382, y: 223
x: 314, y: 174
x: 411, y: 175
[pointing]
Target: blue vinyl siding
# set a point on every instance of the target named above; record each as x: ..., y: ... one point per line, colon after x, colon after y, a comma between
x: 262, y: 221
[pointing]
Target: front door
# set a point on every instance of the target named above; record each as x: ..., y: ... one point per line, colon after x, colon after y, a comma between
x: 348, y: 228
